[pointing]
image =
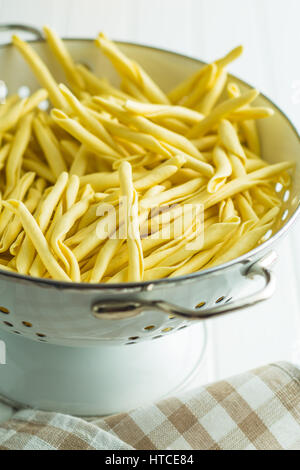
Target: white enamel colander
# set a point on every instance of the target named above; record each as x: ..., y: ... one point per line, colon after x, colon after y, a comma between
x: 95, y: 349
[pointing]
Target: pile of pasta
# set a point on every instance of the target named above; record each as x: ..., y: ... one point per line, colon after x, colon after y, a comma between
x: 140, y: 151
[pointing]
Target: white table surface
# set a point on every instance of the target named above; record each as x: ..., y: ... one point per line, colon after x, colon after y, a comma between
x: 269, y: 30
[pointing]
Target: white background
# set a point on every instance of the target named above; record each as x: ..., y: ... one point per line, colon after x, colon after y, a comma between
x: 269, y: 30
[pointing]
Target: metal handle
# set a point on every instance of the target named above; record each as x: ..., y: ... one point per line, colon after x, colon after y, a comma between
x: 119, y: 310
x: 22, y: 27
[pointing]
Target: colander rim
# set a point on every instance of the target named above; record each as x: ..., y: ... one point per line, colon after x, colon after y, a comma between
x: 144, y: 285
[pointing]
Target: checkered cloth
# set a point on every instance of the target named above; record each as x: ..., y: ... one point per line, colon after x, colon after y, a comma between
x: 255, y: 410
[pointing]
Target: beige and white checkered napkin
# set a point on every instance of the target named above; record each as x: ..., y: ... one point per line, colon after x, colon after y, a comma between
x: 259, y: 409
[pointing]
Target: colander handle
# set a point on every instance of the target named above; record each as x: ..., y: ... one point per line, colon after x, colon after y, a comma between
x: 120, y: 310
x: 265, y: 293
x: 22, y: 27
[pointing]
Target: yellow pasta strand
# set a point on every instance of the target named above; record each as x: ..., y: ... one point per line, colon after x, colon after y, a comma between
x: 135, y: 263
x: 223, y: 170
x: 51, y: 151
x: 18, y: 147
x: 41, y: 71
x: 220, y: 112
x: 132, y: 70
x: 37, y: 238
x: 62, y: 54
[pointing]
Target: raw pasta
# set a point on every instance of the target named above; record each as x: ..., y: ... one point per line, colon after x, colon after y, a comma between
x: 131, y: 184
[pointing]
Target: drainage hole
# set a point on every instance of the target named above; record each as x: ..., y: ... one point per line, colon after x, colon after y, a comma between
x: 286, y: 195
x: 24, y: 91
x: 267, y: 236
x: 200, y: 305
x: 149, y: 327
x: 132, y: 338
x: 44, y: 105
x: 4, y: 310
x: 41, y: 335
x: 8, y: 324
x: 27, y: 324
